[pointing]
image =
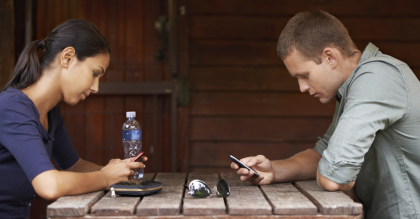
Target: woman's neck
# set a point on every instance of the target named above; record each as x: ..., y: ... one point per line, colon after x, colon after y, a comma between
x: 45, y: 93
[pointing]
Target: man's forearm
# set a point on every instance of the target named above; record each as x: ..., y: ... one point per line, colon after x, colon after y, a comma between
x: 302, y: 166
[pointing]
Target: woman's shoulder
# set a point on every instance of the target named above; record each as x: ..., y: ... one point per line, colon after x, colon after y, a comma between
x: 15, y: 100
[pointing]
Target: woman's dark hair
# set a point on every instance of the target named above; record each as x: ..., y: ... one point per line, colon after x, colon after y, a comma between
x: 79, y: 34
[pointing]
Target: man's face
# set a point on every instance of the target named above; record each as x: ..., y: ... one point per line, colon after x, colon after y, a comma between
x: 319, y: 80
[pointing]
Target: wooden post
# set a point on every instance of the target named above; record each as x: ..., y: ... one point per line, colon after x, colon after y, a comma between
x: 7, y: 50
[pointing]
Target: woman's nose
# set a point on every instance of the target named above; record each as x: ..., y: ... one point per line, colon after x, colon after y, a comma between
x: 95, y: 86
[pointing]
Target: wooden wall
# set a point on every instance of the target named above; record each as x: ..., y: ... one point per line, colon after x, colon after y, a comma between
x: 94, y: 125
x: 7, y: 53
x: 243, y: 100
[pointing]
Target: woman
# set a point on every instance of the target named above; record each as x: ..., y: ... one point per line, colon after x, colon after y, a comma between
x: 75, y: 55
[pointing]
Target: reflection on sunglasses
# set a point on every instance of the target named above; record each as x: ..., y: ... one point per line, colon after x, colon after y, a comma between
x: 200, y: 189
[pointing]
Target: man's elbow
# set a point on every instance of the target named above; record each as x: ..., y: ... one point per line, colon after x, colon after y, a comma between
x: 331, y: 185
x: 328, y: 184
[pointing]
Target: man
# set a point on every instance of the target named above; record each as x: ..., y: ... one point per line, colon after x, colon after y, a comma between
x: 372, y: 146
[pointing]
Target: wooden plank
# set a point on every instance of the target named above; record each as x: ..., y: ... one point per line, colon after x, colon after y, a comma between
x: 269, y: 28
x: 262, y: 129
x: 166, y: 202
x: 274, y: 7
x: 318, y: 216
x: 251, y: 53
x: 77, y: 205
x: 329, y: 203
x: 229, y: 53
x: 245, y: 78
x: 244, y: 198
x: 258, y: 104
x: 212, y: 154
x: 184, y: 69
x: 213, y: 205
x: 164, y: 87
x: 120, y: 205
x: 286, y: 199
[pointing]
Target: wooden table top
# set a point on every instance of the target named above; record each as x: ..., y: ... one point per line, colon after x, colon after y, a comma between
x: 301, y: 199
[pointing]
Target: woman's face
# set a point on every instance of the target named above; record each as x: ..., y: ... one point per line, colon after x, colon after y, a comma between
x: 82, y: 78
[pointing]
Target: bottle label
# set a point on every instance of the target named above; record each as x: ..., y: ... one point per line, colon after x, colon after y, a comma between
x: 131, y: 135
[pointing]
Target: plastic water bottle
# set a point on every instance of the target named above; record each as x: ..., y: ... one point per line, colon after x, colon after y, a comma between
x: 131, y: 139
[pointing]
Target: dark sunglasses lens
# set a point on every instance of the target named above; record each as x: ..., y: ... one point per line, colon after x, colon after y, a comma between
x: 199, y: 189
x: 222, y: 188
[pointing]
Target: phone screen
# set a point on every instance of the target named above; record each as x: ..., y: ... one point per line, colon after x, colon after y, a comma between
x: 241, y: 165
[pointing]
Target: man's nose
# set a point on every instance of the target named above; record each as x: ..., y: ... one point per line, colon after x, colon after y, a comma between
x: 303, y: 86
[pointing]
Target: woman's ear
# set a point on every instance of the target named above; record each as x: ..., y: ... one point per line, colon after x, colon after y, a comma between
x: 331, y: 56
x: 67, y: 57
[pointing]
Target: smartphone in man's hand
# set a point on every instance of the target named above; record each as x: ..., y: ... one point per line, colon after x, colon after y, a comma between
x: 241, y: 165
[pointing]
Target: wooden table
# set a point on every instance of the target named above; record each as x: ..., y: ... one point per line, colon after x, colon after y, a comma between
x: 302, y: 199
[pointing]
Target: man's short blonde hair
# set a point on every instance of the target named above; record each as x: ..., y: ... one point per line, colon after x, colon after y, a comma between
x: 310, y: 32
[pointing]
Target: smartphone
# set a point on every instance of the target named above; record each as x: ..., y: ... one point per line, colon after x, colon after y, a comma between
x: 241, y: 165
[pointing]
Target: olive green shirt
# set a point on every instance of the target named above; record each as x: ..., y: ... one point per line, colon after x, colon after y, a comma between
x: 374, y: 138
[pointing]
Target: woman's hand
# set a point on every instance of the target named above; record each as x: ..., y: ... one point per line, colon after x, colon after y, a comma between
x: 260, y: 164
x: 118, y: 170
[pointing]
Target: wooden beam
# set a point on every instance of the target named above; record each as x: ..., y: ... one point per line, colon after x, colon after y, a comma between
x: 7, y: 50
x: 145, y: 88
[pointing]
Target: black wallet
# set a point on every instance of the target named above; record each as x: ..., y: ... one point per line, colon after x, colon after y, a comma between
x: 135, y: 188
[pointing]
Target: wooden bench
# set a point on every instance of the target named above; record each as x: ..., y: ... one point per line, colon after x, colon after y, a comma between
x: 302, y: 199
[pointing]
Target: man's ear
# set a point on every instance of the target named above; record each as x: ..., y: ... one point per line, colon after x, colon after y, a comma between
x: 330, y: 55
x: 67, y: 57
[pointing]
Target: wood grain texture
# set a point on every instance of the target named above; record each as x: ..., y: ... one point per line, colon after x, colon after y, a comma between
x: 166, y: 202
x: 274, y: 7
x: 263, y: 129
x: 258, y: 104
x: 246, y: 78
x: 77, y: 205
x: 251, y: 53
x: 269, y: 27
x: 318, y: 216
x: 242, y: 78
x: 212, y: 205
x: 286, y: 199
x: 118, y: 206
x: 244, y: 198
x: 329, y: 203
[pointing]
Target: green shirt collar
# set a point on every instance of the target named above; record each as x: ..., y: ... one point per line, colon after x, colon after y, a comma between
x: 369, y: 52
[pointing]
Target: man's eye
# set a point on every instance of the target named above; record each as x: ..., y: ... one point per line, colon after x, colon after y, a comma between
x: 95, y: 74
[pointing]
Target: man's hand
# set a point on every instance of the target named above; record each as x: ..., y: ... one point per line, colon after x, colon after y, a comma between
x: 301, y: 166
x: 260, y: 164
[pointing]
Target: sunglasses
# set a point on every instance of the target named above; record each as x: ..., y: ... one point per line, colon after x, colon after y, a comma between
x: 200, y: 189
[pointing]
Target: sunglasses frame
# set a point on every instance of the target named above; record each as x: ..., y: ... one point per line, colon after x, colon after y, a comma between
x: 219, y: 184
